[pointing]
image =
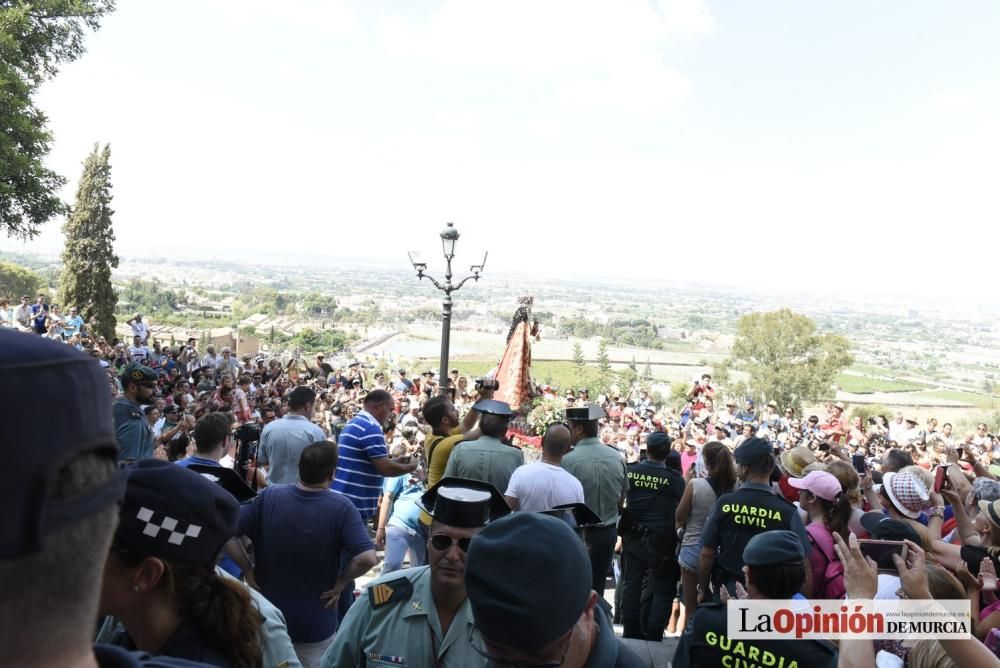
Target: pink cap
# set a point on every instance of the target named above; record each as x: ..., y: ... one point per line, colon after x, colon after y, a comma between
x: 822, y: 484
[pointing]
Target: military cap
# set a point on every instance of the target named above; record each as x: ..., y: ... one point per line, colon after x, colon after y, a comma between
x: 428, y: 373
x: 173, y: 513
x: 47, y: 383
x: 578, y: 515
x: 493, y: 407
x: 464, y: 503
x: 137, y: 373
x: 528, y: 579
x: 170, y: 408
x: 658, y: 438
x: 227, y: 479
x: 881, y: 527
x: 774, y: 547
x: 587, y: 413
x: 752, y: 450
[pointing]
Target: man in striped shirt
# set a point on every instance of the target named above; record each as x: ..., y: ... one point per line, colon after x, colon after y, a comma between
x: 363, y: 464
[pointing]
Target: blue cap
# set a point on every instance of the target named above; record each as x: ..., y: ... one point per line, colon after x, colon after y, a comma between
x: 528, y: 578
x: 137, y: 373
x: 57, y: 405
x: 753, y: 450
x: 173, y: 513
x: 774, y: 547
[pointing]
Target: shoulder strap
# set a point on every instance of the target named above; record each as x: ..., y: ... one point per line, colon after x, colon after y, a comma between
x: 823, y: 540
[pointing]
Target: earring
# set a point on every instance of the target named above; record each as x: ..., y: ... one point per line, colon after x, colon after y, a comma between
x: 135, y: 588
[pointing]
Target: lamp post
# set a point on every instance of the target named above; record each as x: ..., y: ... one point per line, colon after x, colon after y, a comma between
x: 449, y: 235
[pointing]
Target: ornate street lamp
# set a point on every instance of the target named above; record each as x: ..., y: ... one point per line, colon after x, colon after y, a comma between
x: 449, y: 236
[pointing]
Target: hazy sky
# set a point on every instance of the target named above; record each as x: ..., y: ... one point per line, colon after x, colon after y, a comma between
x: 817, y: 144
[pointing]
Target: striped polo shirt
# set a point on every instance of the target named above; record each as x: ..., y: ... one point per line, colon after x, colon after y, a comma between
x: 360, y: 442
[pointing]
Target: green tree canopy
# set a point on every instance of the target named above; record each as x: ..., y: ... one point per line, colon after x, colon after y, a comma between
x: 35, y: 39
x: 17, y: 281
x: 786, y: 358
x: 88, y: 254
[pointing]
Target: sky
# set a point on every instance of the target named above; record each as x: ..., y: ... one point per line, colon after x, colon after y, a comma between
x: 849, y: 145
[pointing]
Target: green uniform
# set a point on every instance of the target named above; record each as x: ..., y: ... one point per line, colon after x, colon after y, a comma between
x: 601, y: 471
x: 135, y: 440
x: 395, y: 623
x: 487, y: 459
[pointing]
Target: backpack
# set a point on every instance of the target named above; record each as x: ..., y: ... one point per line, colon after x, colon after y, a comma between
x: 832, y: 584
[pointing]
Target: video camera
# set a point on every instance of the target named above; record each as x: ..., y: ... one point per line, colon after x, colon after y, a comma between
x: 247, y: 441
x: 487, y: 384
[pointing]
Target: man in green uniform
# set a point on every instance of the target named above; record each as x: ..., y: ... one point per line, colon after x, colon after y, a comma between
x: 135, y: 440
x: 601, y: 471
x: 775, y: 568
x: 421, y: 616
x: 487, y: 458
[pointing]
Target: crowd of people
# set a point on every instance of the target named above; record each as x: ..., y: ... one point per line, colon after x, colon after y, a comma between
x: 253, y: 561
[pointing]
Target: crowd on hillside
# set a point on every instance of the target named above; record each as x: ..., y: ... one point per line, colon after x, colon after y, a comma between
x: 809, y: 486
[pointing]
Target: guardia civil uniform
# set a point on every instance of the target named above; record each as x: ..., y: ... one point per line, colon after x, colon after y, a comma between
x: 395, y: 621
x: 706, y: 641
x: 752, y: 509
x: 135, y: 440
x: 601, y: 471
x: 486, y: 458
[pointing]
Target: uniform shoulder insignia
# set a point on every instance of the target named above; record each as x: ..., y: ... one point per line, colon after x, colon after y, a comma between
x: 384, y: 593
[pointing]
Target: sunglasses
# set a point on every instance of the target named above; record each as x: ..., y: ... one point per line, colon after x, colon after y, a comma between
x: 442, y: 543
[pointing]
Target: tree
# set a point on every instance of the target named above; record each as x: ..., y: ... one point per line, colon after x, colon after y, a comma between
x: 578, y: 360
x: 786, y: 359
x: 35, y: 39
x: 604, y: 374
x: 17, y: 281
x: 88, y: 255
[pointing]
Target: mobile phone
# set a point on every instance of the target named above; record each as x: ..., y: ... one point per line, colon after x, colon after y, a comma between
x: 881, y: 551
x: 939, y: 477
x: 859, y: 464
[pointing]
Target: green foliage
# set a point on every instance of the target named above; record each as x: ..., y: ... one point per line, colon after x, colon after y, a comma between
x: 865, y: 411
x: 605, y: 377
x: 263, y: 300
x: 786, y: 359
x: 146, y: 297
x: 634, y: 332
x: 578, y: 359
x: 35, y: 39
x: 325, y: 340
x: 17, y: 281
x: 88, y: 255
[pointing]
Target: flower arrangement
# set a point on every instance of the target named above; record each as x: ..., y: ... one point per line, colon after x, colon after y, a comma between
x: 545, y: 412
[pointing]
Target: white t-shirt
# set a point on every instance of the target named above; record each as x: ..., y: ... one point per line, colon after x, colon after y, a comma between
x: 539, y: 486
x: 138, y: 354
x: 140, y: 328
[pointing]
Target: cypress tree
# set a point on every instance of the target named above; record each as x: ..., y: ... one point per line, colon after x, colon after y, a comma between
x: 88, y: 255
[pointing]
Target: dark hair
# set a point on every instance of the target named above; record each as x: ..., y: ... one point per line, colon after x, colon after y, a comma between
x: 896, y: 460
x: 378, y: 397
x: 837, y: 513
x: 211, y: 430
x: 435, y: 410
x: 779, y: 581
x: 658, y: 449
x: 493, y: 425
x: 589, y: 428
x: 317, y: 462
x: 50, y: 598
x: 336, y: 409
x: 299, y: 397
x: 220, y: 609
x: 720, y: 465
x: 761, y: 467
x: 177, y: 447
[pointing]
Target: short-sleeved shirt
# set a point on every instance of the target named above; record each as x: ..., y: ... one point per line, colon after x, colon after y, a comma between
x: 74, y: 324
x: 437, y: 450
x: 601, y: 471
x: 135, y: 440
x: 299, y: 536
x: 654, y: 493
x: 406, y: 492
x: 361, y: 441
x: 140, y: 328
x: 487, y: 459
x: 282, y: 443
x: 540, y: 486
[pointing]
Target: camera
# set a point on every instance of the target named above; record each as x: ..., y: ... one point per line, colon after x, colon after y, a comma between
x: 487, y: 384
x: 247, y: 440
x: 872, y: 420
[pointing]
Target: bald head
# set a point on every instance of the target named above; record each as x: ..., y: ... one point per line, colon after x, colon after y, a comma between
x: 556, y: 441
